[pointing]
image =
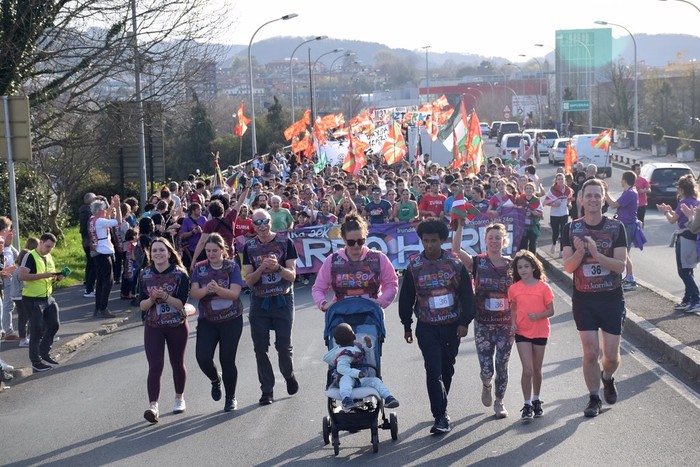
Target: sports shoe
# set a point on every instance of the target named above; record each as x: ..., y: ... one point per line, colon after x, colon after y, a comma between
x: 391, y: 402
x: 11, y: 336
x: 348, y: 403
x: 179, y: 406
x: 90, y: 295
x: 216, y: 389
x: 292, y: 386
x: 40, y: 366
x: 24, y: 342
x: 537, y: 408
x: 486, y: 397
x: 4, y: 366
x: 49, y: 361
x: 266, y: 398
x: 151, y: 414
x: 593, y: 408
x: 526, y: 412
x: 230, y: 404
x: 441, y: 425
x: 609, y: 389
x: 681, y: 306
x: 552, y: 248
x: 105, y: 314
x: 693, y: 307
x: 628, y: 286
x: 499, y: 409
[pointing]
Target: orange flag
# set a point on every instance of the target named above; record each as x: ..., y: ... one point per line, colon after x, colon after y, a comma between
x: 299, y: 126
x: 394, y: 147
x: 243, y: 121
x: 431, y: 127
x: 603, y: 140
x: 570, y: 158
x: 355, y: 158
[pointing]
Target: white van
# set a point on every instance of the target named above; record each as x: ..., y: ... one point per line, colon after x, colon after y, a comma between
x: 511, y: 142
x: 587, y: 154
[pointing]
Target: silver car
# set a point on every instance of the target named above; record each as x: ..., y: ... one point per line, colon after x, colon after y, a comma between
x: 557, y: 151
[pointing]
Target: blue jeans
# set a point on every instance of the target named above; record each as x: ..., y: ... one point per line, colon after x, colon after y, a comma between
x: 691, y: 293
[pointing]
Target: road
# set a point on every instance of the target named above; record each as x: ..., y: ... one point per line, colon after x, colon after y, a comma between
x: 89, y: 411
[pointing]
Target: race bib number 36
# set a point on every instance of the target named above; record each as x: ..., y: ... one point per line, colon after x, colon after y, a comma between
x: 441, y: 301
x: 496, y: 304
x: 271, y: 278
x: 163, y: 309
x: 595, y: 270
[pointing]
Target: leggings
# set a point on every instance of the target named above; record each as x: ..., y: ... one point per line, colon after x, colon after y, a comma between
x: 490, y: 338
x: 154, y: 342
x: 557, y: 223
x: 226, y: 335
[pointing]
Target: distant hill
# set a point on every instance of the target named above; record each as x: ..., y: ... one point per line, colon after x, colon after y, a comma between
x: 653, y: 50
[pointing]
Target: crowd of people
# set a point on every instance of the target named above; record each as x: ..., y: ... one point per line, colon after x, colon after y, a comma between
x: 214, y: 242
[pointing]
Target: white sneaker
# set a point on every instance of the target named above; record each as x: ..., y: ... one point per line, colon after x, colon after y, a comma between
x: 486, y: 397
x: 499, y: 409
x: 5, y: 366
x: 179, y: 406
x: 24, y: 343
x: 151, y: 414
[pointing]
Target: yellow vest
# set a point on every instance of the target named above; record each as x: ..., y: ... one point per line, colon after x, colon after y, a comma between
x: 40, y: 288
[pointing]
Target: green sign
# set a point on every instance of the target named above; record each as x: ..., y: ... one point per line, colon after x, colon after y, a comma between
x: 575, y: 106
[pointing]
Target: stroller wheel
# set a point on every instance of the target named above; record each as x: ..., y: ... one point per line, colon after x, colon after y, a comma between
x: 326, y: 430
x: 336, y: 445
x: 394, y: 426
x: 375, y: 437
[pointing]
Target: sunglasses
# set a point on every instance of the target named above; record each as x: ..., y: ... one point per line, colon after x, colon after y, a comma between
x: 359, y: 241
x: 261, y: 221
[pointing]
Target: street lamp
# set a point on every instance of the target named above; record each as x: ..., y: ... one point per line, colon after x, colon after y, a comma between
x: 636, y: 94
x: 330, y: 70
x: 427, y: 75
x: 539, y: 102
x: 291, y: 62
x: 684, y: 1
x: 311, y: 78
x: 250, y: 71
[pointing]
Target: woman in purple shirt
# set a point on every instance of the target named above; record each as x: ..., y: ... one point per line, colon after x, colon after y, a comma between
x: 626, y: 206
x: 685, y: 242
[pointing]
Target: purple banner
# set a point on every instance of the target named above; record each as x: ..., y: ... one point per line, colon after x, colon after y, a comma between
x: 398, y: 240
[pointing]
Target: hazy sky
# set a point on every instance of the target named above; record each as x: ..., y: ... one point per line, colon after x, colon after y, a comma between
x: 504, y: 28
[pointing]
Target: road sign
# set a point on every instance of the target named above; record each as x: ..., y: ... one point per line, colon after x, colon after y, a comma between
x: 576, y: 106
x: 506, y: 109
x: 506, y: 115
x: 20, y: 129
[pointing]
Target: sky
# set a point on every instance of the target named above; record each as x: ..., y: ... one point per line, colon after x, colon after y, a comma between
x: 502, y: 28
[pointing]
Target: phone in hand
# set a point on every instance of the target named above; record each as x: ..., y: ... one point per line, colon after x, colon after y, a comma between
x: 65, y: 272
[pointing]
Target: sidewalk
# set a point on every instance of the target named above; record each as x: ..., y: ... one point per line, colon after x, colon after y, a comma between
x: 649, y: 311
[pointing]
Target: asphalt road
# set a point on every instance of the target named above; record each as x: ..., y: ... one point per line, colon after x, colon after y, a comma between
x: 89, y: 411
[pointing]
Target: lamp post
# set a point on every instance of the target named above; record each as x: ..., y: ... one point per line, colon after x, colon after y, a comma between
x: 250, y: 71
x: 539, y: 81
x: 330, y: 70
x: 291, y: 75
x: 636, y: 89
x: 481, y: 94
x: 311, y: 78
x: 427, y: 75
x: 684, y: 1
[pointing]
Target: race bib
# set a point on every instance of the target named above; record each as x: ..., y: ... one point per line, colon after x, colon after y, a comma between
x: 595, y: 270
x: 271, y: 278
x: 441, y: 301
x: 221, y: 304
x: 163, y: 309
x: 496, y: 304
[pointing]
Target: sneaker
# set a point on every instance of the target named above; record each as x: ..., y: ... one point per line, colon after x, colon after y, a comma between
x: 499, y: 409
x: 348, y: 403
x: 266, y: 398
x: 681, y: 306
x: 441, y: 425
x: 230, y: 404
x: 628, y: 286
x: 527, y: 413
x: 11, y: 336
x: 105, y: 314
x: 552, y: 249
x: 24, y: 342
x: 486, y: 397
x: 693, y: 307
x: 216, y: 389
x: 179, y: 406
x: 151, y: 414
x: 4, y: 366
x: 609, y: 389
x: 91, y: 295
x: 537, y: 408
x: 49, y: 361
x: 292, y: 386
x: 391, y: 402
x: 40, y: 366
x: 593, y: 408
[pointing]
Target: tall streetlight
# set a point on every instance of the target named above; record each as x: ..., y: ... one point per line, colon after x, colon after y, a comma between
x: 684, y: 1
x: 311, y: 78
x: 427, y: 75
x: 250, y: 71
x: 636, y: 94
x: 330, y: 71
x: 291, y: 75
x: 539, y: 102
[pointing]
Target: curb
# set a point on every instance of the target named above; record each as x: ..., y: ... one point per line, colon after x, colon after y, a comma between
x: 684, y: 357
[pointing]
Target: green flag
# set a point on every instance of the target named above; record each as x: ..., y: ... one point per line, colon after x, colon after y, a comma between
x: 321, y: 164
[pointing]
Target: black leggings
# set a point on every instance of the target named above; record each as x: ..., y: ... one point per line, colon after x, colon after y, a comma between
x: 557, y: 223
x: 226, y: 335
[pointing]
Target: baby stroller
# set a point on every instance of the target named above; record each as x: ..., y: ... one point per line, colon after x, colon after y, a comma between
x: 366, y: 319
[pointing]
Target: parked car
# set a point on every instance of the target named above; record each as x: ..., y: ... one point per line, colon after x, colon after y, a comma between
x: 505, y: 128
x: 493, y: 131
x: 485, y: 129
x: 544, y: 139
x: 558, y: 150
x: 663, y: 178
x: 511, y: 141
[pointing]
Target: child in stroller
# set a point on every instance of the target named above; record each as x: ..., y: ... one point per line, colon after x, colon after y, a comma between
x: 346, y: 353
